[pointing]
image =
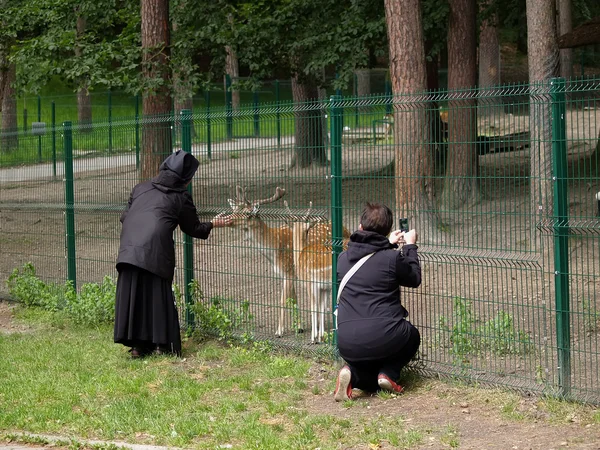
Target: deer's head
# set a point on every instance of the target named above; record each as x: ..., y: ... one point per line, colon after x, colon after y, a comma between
x: 245, y: 212
x: 308, y: 228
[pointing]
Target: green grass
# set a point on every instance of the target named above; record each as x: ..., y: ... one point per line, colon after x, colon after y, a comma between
x: 119, y: 136
x: 71, y: 381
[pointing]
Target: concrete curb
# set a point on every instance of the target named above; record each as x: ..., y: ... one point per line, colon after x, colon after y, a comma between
x: 43, y: 440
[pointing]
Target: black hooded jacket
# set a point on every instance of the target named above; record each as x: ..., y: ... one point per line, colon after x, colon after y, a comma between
x: 154, y: 210
x: 370, y: 319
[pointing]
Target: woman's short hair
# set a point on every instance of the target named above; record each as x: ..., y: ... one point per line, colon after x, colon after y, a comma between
x: 378, y: 218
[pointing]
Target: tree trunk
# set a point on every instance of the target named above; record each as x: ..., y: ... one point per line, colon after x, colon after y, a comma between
x: 363, y: 82
x: 3, y: 71
x: 9, y: 133
x: 309, y: 131
x: 413, y: 162
x: 543, y: 65
x: 565, y: 25
x: 437, y: 126
x: 156, y: 103
x: 84, y: 101
x: 232, y: 69
x: 490, y: 106
x: 460, y: 187
x: 183, y: 93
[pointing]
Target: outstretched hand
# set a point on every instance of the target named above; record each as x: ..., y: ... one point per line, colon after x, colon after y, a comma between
x: 221, y: 221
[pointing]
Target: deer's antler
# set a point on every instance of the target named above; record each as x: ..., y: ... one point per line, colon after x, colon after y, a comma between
x: 307, y: 215
x: 279, y: 192
x: 240, y: 195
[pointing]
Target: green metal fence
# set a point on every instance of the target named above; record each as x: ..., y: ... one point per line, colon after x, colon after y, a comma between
x: 500, y: 183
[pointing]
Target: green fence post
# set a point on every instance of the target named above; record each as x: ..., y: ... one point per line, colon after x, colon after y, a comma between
x: 137, y: 132
x: 208, y: 131
x: 228, y: 107
x: 70, y: 205
x: 25, y: 120
x: 561, y: 234
x: 336, y: 195
x: 53, y: 119
x: 39, y: 119
x: 277, y: 114
x: 110, y: 144
x: 188, y: 241
x: 388, y: 96
x: 256, y: 114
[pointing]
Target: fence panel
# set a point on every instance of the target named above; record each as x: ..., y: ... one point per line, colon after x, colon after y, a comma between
x: 509, y: 237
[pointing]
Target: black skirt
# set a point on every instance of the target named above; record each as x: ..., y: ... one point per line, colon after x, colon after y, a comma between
x: 145, y: 311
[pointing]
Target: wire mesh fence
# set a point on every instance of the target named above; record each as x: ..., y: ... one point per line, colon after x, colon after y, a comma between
x: 501, y: 184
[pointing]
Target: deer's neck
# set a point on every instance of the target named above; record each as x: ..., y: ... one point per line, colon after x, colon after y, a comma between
x: 265, y: 238
x: 298, y: 241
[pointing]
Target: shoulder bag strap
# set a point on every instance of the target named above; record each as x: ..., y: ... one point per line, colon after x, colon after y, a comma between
x: 351, y: 272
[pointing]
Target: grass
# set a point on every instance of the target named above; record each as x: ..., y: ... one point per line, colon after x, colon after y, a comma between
x: 119, y: 136
x: 71, y: 381
x: 64, y: 380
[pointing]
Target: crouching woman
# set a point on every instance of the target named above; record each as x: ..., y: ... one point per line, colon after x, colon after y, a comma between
x: 375, y: 337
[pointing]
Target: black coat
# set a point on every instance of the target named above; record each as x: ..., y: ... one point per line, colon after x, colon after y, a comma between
x: 371, y: 318
x: 154, y: 210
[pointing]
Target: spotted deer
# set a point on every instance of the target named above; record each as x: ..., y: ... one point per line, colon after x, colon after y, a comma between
x: 312, y: 244
x: 275, y: 243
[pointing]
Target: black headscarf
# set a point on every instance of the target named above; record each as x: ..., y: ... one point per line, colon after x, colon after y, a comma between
x: 177, y: 170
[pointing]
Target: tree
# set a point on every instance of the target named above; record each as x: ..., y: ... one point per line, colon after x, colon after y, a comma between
x: 8, y: 100
x: 309, y: 132
x: 103, y: 54
x: 84, y: 101
x: 543, y: 65
x: 411, y: 131
x: 181, y: 66
x: 232, y: 66
x: 565, y: 25
x: 490, y: 106
x: 156, y: 75
x: 295, y: 39
x: 9, y: 132
x: 460, y: 185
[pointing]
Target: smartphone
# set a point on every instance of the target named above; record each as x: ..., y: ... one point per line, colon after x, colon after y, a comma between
x: 403, y: 224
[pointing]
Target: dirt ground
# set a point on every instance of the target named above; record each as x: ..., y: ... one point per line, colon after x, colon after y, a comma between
x: 448, y: 415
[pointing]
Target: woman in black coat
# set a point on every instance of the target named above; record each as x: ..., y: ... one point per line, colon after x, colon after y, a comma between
x: 145, y: 313
x: 374, y: 335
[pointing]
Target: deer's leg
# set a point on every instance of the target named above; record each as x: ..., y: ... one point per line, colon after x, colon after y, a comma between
x: 322, y: 307
x: 296, y: 315
x: 285, y: 294
x: 314, y: 312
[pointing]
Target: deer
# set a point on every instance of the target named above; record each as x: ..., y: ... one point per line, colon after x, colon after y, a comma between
x: 312, y: 248
x: 275, y: 243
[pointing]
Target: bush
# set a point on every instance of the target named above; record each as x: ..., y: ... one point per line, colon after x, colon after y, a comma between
x: 94, y: 304
x: 219, y: 317
x: 25, y: 287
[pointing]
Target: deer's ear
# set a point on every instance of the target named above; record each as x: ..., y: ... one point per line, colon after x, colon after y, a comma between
x: 255, y: 209
x: 232, y: 203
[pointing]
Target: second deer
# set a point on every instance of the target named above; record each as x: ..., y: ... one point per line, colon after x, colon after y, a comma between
x: 312, y: 244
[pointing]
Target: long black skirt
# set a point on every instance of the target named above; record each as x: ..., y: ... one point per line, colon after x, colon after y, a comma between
x: 145, y: 311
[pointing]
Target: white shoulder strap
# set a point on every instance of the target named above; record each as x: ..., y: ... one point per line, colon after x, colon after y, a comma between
x: 351, y: 272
